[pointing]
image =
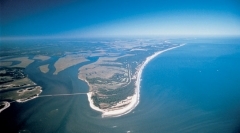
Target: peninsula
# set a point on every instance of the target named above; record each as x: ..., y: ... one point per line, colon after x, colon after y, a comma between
x: 114, y: 81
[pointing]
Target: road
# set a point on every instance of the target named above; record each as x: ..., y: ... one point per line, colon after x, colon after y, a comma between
x: 62, y: 95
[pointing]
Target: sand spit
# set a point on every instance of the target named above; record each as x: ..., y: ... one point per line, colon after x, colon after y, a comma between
x: 135, y: 98
x: 6, y: 105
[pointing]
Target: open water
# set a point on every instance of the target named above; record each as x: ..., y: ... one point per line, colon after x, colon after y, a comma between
x: 194, y: 88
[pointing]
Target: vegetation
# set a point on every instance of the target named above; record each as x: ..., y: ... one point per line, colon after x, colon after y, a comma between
x: 39, y: 47
x: 113, y: 96
x: 15, y: 85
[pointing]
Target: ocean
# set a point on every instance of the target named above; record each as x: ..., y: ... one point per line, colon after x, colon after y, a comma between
x: 193, y: 88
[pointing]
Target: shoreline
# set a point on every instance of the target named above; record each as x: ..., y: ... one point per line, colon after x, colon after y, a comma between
x: 135, y: 98
x: 29, y: 98
x: 6, y: 105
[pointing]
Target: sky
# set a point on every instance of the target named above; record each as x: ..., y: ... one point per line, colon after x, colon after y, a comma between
x: 116, y: 18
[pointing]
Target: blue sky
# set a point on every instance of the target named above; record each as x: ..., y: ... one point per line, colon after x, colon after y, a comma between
x: 114, y: 18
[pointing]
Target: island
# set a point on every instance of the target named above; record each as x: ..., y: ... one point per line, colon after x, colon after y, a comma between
x: 44, y: 68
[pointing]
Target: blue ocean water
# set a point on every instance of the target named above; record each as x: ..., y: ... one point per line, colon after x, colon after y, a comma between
x: 195, y: 88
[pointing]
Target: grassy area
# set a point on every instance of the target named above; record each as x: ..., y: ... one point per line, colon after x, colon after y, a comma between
x: 24, y: 61
x: 41, y: 57
x: 68, y: 61
x: 44, y: 68
x: 5, y: 63
x: 20, y: 94
x: 113, y: 96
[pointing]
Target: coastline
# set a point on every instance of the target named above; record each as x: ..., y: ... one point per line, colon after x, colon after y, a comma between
x: 135, y: 98
x: 6, y: 105
x: 29, y: 98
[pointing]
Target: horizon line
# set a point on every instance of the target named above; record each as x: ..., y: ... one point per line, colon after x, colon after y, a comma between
x: 12, y: 38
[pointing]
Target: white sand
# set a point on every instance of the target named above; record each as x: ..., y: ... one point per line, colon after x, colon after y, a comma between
x: 89, y: 94
x: 6, y: 105
x: 135, y: 97
x: 25, y: 100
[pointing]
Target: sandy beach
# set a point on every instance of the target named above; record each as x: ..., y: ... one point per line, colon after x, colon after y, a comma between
x: 6, y: 105
x: 135, y: 98
x: 27, y: 99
